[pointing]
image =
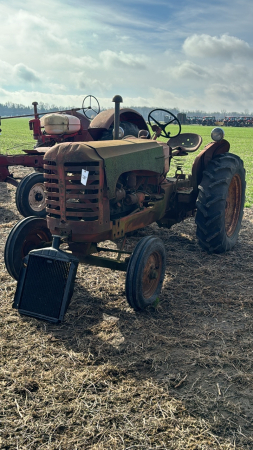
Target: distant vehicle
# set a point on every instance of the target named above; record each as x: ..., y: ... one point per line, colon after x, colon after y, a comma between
x: 194, y: 120
x: 208, y: 120
x: 231, y: 121
x: 245, y: 121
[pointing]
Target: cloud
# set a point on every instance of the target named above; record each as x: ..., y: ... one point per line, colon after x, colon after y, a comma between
x: 6, y: 70
x: 24, y: 73
x: 188, y: 70
x: 92, y: 85
x: 71, y: 62
x: 232, y: 93
x: 37, y: 30
x: 114, y: 60
x: 169, y: 100
x: 206, y: 46
x: 147, y: 52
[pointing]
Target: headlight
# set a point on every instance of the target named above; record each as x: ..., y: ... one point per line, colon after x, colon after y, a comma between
x: 217, y: 134
x: 121, y: 132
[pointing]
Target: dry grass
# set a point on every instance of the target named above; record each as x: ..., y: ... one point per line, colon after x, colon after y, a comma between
x: 175, y: 377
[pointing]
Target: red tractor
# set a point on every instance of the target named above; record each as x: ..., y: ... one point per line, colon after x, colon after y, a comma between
x: 107, y: 189
x: 53, y: 128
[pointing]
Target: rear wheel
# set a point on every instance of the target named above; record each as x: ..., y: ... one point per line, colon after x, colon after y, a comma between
x: 30, y: 196
x: 130, y: 129
x: 220, y: 203
x: 145, y: 272
x: 28, y: 234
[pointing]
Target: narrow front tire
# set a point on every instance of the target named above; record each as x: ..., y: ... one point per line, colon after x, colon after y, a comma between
x: 145, y: 273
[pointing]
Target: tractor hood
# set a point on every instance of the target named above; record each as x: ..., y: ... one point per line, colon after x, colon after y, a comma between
x: 119, y: 156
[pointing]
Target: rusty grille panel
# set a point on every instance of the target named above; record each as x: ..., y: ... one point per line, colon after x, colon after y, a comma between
x: 67, y: 198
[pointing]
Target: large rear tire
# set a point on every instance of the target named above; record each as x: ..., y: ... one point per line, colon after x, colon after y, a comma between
x: 130, y: 129
x: 145, y: 272
x: 30, y: 196
x: 28, y: 234
x: 220, y: 203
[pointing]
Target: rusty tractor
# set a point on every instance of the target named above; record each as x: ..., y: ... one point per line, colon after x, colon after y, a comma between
x: 54, y: 128
x: 105, y: 190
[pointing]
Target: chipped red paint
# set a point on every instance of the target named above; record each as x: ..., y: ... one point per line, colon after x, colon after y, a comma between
x: 17, y: 160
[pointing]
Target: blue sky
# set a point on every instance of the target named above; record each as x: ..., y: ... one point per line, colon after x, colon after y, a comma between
x: 190, y: 55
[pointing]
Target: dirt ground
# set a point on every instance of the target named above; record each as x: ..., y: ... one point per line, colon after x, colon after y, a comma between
x: 179, y: 376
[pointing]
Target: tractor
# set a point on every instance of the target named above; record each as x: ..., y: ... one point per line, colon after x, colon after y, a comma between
x: 54, y: 128
x: 208, y: 120
x: 104, y: 190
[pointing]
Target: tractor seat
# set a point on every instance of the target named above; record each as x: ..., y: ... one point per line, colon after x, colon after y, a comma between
x: 187, y: 142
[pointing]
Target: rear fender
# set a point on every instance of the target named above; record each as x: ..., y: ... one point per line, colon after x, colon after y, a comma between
x: 105, y: 119
x: 207, y: 154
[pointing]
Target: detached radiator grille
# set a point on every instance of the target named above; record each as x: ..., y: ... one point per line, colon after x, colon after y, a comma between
x: 43, y: 294
x: 46, y: 284
x: 67, y: 198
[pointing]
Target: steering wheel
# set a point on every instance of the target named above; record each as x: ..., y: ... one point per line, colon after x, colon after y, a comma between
x: 88, y: 100
x: 163, y: 126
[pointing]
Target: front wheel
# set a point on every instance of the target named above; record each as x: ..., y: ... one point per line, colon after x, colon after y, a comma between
x: 30, y: 196
x: 220, y: 203
x: 28, y: 234
x: 145, y: 272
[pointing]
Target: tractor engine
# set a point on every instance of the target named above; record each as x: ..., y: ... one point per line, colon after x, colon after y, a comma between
x: 134, y: 191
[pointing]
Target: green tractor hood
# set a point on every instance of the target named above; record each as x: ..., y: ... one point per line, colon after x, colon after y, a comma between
x: 128, y: 155
x: 118, y: 156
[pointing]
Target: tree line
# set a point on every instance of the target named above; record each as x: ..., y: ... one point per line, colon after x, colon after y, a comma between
x: 16, y: 109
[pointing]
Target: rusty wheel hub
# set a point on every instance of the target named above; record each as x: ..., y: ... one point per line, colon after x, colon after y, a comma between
x: 151, y: 274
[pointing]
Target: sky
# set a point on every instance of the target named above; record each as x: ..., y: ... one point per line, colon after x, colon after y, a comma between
x: 185, y: 54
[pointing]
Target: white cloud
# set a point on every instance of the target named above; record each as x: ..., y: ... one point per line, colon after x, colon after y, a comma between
x: 229, y: 94
x: 206, y: 46
x: 71, y: 63
x: 114, y: 60
x: 5, y: 71
x: 37, y: 30
x: 24, y: 73
x: 169, y: 100
x: 188, y: 70
x: 92, y: 85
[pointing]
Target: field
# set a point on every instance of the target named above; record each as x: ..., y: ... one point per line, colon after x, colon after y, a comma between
x: 178, y: 376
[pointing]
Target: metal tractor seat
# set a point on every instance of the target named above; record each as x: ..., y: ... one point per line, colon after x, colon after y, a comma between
x: 186, y: 142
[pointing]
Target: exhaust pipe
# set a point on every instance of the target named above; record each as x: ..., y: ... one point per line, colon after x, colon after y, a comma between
x: 117, y: 99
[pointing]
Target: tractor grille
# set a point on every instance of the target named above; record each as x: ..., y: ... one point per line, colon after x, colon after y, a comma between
x: 67, y: 198
x: 45, y: 291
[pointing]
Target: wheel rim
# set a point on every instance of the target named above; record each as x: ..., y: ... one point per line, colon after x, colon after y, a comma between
x: 151, y: 274
x: 233, y: 205
x: 36, y: 198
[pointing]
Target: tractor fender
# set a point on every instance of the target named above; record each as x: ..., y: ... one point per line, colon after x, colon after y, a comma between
x: 204, y: 157
x: 105, y: 119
